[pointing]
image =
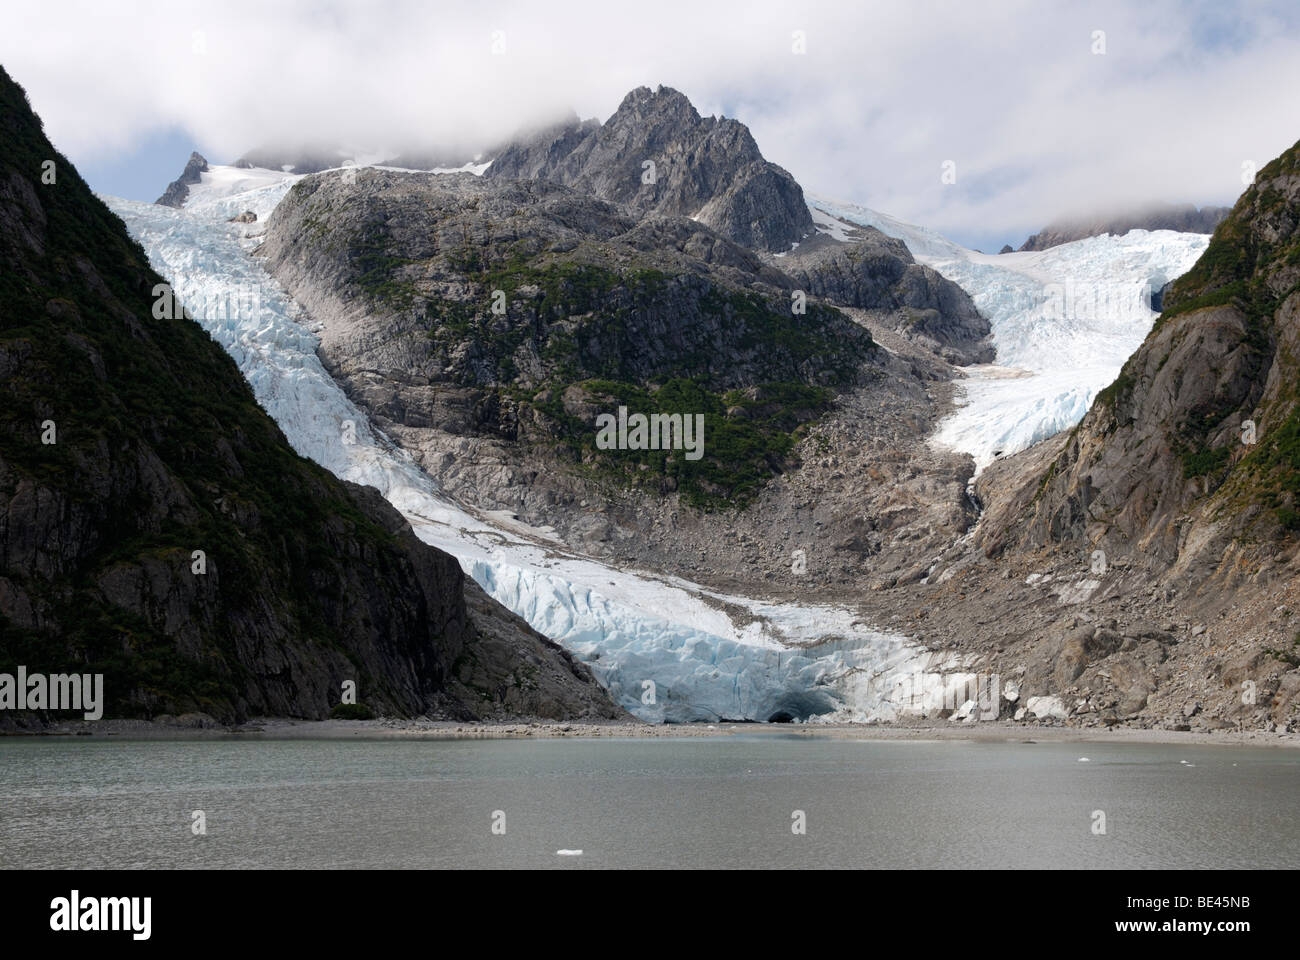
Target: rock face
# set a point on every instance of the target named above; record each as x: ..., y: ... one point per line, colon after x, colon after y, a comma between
x: 811, y: 428
x: 605, y: 301
x: 1194, y: 446
x: 879, y: 273
x: 1184, y: 218
x: 1166, y: 522
x: 518, y: 310
x: 156, y: 527
x: 179, y: 189
x: 657, y: 155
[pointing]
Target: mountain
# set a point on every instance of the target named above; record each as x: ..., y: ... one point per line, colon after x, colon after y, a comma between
x: 601, y: 303
x: 876, y: 272
x: 747, y: 658
x: 482, y: 324
x: 485, y: 324
x: 657, y: 155
x: 596, y: 308
x: 179, y: 189
x: 396, y: 275
x: 294, y: 160
x: 129, y: 442
x: 1184, y: 218
x: 1182, y: 482
x: 1218, y: 358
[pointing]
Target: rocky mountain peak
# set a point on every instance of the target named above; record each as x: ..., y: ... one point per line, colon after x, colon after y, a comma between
x: 664, y: 112
x: 661, y: 98
x: 179, y: 189
x: 657, y: 155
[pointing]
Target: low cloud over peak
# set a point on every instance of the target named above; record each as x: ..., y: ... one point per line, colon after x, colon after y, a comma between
x: 1025, y: 105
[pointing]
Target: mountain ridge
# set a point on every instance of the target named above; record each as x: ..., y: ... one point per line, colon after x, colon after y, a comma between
x: 300, y: 581
x: 883, y: 521
x: 179, y: 189
x: 1183, y: 218
x: 657, y: 155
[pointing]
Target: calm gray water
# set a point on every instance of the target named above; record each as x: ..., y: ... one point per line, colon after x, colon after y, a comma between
x: 643, y: 803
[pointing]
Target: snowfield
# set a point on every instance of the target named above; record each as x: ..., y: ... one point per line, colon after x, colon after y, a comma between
x: 663, y: 647
x: 1064, y: 321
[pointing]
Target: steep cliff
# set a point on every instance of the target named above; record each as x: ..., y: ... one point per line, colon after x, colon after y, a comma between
x: 179, y: 189
x: 1194, y: 447
x: 155, y: 526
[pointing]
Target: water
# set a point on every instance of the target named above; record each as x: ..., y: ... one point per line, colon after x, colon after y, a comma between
x: 724, y: 802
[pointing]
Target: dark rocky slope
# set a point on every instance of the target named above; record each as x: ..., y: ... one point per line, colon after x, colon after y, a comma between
x: 877, y: 272
x: 706, y: 168
x: 161, y: 450
x: 518, y: 310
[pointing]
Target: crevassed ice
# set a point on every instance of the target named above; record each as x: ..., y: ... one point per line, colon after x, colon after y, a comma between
x: 663, y: 647
x: 1064, y: 321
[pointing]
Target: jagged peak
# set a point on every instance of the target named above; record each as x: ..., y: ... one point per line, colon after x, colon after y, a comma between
x: 179, y: 189
x: 663, y: 102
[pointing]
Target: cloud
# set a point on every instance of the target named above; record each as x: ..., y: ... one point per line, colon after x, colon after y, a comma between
x: 1037, y: 124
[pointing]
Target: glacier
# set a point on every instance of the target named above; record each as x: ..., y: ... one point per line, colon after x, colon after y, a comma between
x: 1064, y: 321
x: 664, y: 648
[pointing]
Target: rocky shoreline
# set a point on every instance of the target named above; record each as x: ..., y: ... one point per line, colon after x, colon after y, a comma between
x: 203, y: 727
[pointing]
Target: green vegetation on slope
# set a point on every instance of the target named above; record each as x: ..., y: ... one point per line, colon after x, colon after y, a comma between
x: 599, y: 329
x: 748, y: 436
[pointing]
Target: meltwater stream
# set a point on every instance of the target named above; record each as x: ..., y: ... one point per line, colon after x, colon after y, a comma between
x: 631, y: 628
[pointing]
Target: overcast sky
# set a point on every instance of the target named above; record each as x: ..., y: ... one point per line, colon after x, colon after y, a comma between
x: 1036, y: 123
